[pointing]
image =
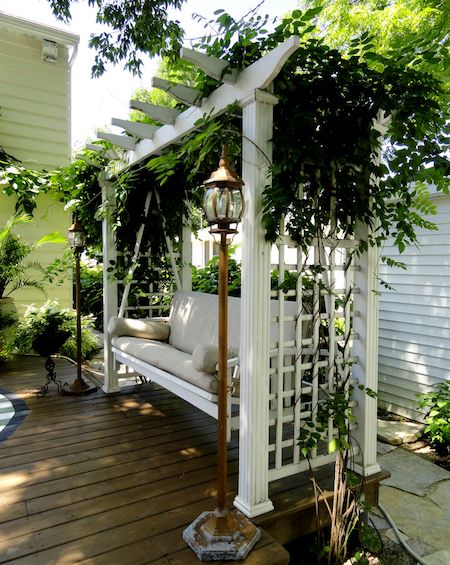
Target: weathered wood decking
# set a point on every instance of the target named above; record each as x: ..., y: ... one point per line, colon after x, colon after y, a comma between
x: 115, y: 480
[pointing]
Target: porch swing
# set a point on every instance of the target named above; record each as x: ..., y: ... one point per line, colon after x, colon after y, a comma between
x: 270, y: 355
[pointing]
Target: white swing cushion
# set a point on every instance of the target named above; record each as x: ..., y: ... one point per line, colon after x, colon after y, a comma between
x: 146, y: 329
x: 167, y: 358
x: 193, y: 321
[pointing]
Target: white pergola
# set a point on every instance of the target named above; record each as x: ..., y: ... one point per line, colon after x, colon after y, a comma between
x: 267, y: 396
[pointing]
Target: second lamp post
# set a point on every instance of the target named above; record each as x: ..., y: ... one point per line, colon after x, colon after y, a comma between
x: 77, y: 240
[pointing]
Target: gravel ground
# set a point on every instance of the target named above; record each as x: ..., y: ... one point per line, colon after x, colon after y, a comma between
x: 393, y: 554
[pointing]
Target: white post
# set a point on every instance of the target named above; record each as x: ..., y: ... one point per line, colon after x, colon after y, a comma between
x: 253, y: 490
x: 110, y: 301
x: 366, y: 349
x: 186, y: 259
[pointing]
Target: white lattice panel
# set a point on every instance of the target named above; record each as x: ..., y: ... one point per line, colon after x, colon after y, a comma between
x: 312, y: 350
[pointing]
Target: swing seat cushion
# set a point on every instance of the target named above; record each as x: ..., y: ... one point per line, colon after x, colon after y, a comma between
x: 167, y: 358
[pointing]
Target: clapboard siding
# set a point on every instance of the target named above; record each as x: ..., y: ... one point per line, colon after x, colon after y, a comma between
x: 35, y: 128
x: 30, y: 86
x: 414, y: 344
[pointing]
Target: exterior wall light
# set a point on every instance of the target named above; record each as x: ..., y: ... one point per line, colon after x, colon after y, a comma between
x: 49, y: 51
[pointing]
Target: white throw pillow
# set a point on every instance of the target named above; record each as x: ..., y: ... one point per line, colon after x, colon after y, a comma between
x: 206, y: 357
x: 147, y: 329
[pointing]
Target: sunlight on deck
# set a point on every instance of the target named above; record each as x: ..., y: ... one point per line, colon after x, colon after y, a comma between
x: 12, y: 480
x: 191, y: 452
x: 147, y: 409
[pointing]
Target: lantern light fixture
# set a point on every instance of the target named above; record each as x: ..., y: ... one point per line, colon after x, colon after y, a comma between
x: 223, y: 202
x: 76, y: 236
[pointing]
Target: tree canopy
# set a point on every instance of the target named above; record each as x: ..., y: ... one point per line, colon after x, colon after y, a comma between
x: 416, y: 31
x: 133, y: 27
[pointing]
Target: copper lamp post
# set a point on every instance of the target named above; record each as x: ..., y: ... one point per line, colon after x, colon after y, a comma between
x: 77, y: 240
x: 222, y: 534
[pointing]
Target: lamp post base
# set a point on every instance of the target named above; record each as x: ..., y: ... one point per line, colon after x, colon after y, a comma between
x: 221, y: 536
x: 79, y: 387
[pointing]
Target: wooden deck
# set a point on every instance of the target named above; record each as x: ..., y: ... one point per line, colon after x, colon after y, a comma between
x: 115, y: 479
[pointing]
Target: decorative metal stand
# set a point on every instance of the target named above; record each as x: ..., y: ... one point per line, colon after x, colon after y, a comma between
x: 51, y: 378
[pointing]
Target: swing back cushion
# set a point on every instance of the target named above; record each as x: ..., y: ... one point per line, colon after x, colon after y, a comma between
x: 194, y: 321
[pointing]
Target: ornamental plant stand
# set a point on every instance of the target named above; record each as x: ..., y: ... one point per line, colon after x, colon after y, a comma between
x: 47, y: 346
x: 51, y: 378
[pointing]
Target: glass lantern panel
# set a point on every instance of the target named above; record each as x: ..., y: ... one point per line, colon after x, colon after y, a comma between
x: 222, y: 204
x: 209, y: 204
x: 76, y: 239
x: 235, y: 205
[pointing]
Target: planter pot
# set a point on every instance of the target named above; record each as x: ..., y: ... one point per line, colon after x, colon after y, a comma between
x: 50, y: 342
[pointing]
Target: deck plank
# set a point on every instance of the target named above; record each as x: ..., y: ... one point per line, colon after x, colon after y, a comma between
x: 106, y: 479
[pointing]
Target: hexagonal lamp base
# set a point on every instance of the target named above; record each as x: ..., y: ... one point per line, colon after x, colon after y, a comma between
x: 216, y: 536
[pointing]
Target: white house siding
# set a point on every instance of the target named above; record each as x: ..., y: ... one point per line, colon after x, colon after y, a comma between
x: 414, y: 343
x: 35, y: 128
x: 34, y: 94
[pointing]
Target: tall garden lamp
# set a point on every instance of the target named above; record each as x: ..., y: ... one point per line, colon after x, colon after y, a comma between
x: 77, y: 240
x: 222, y: 534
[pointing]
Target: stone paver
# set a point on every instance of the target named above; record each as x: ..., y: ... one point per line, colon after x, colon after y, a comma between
x: 438, y: 558
x: 411, y: 473
x: 383, y: 448
x: 440, y: 495
x: 396, y: 433
x: 417, y: 517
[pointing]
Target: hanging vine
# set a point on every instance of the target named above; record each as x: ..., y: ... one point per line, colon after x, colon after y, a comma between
x: 324, y: 143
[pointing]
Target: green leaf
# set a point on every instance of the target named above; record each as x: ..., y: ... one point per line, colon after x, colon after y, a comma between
x: 332, y: 446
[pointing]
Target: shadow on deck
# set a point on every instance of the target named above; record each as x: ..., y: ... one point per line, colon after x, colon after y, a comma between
x: 115, y: 479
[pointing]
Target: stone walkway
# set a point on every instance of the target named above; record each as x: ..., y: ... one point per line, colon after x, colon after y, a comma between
x: 417, y: 496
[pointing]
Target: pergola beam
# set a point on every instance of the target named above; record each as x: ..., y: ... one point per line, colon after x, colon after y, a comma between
x: 122, y: 141
x: 96, y: 148
x: 184, y: 94
x: 212, y: 66
x: 144, y: 131
x: 258, y: 75
x: 157, y: 113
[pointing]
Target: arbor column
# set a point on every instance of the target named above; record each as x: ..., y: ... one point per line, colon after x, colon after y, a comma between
x: 110, y: 301
x: 186, y: 259
x: 253, y: 491
x: 365, y: 325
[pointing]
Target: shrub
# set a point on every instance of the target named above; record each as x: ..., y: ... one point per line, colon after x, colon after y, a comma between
x: 50, y: 320
x: 8, y: 325
x: 91, y: 279
x: 437, y: 405
x: 206, y: 279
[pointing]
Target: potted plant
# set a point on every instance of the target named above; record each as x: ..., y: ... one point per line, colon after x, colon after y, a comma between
x: 50, y: 329
x: 15, y: 268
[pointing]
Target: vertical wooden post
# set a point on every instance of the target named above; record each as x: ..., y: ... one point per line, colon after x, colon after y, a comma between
x: 253, y: 491
x: 110, y: 301
x: 366, y: 349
